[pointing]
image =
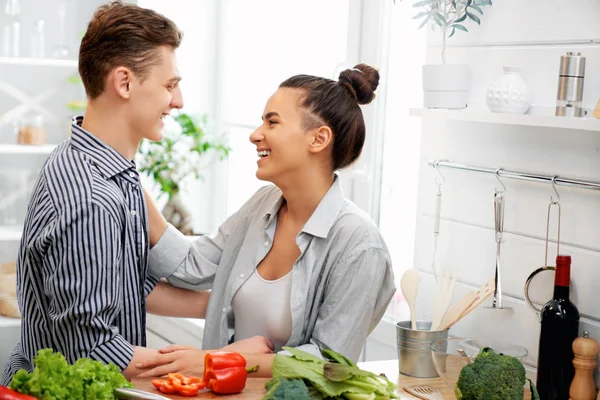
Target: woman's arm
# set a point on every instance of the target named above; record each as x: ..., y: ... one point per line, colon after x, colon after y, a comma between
x: 169, y: 301
x: 190, y: 360
x: 158, y: 224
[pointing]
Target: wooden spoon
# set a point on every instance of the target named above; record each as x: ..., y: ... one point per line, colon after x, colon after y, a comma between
x: 409, y: 284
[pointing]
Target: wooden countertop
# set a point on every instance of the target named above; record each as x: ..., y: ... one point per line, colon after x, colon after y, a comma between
x: 255, y: 387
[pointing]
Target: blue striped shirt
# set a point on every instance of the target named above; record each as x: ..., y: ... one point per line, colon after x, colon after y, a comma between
x: 82, y: 265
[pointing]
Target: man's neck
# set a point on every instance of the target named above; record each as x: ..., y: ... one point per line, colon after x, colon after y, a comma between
x: 112, y: 129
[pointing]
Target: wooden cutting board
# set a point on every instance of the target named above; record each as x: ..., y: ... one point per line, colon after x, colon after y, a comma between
x: 255, y: 387
x: 255, y: 390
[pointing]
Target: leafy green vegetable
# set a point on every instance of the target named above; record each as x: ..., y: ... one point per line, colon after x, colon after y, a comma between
x: 282, y: 389
x: 338, y: 377
x: 491, y: 376
x: 54, y: 378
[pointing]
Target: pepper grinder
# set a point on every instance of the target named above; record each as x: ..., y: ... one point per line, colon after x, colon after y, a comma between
x: 570, y: 85
x: 583, y: 386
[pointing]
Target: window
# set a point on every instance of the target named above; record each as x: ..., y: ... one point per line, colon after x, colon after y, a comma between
x: 265, y: 42
x: 398, y: 207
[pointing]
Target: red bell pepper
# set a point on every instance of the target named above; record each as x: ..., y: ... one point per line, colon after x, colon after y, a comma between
x: 225, y: 372
x: 9, y: 394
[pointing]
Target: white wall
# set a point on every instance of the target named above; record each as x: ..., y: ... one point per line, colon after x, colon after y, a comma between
x: 532, y: 35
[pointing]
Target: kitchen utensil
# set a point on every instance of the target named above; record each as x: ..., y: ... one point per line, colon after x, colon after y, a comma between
x: 458, y: 309
x: 423, y: 392
x: 499, y: 225
x: 414, y: 348
x: 465, y: 305
x: 570, y: 85
x: 499, y: 199
x: 123, y: 393
x: 546, y: 267
x: 409, y: 284
x: 443, y: 295
x: 436, y: 222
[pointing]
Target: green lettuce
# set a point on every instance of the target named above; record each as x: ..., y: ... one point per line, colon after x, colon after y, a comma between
x: 54, y: 378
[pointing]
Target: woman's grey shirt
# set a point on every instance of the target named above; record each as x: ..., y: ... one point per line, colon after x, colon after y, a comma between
x: 342, y: 282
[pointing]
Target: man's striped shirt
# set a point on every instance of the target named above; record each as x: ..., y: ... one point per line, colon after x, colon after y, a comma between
x: 82, y: 264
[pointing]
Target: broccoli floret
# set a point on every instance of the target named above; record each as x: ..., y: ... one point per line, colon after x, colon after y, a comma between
x: 491, y: 376
x: 284, y: 388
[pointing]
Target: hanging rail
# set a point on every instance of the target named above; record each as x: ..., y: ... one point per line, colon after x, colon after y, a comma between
x: 520, y: 175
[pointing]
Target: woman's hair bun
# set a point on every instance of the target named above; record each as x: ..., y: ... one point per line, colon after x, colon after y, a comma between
x: 362, y: 81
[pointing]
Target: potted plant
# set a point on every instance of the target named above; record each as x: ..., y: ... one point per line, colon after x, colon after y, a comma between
x: 184, y: 151
x: 446, y: 85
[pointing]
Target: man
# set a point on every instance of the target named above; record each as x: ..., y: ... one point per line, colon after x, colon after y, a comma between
x: 82, y: 264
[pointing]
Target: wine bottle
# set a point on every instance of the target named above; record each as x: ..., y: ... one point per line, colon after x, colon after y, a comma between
x: 560, y: 327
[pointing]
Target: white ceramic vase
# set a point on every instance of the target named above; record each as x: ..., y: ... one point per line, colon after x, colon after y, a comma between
x: 509, y: 93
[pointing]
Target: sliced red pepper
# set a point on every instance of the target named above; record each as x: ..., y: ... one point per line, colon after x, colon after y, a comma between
x: 188, y: 390
x: 177, y: 383
x: 9, y: 394
x: 184, y: 380
x: 157, y: 383
x: 168, y: 388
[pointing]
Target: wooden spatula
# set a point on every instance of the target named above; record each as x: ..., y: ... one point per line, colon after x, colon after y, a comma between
x: 467, y: 304
x: 424, y: 392
x: 457, y: 309
x: 483, y: 293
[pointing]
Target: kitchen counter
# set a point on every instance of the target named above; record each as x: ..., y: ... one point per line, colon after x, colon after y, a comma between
x: 255, y: 387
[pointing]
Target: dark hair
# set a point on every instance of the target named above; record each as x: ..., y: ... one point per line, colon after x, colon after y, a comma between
x: 121, y: 34
x: 336, y: 104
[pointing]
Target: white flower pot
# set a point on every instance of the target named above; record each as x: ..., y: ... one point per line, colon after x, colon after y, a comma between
x: 509, y: 93
x: 445, y: 86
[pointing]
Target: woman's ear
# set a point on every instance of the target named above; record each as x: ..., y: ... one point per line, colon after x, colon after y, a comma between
x: 321, y: 138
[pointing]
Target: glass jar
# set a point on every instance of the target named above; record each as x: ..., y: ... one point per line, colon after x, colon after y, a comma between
x: 31, y: 131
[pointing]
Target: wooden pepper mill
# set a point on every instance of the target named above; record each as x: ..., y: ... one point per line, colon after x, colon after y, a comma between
x: 583, y: 386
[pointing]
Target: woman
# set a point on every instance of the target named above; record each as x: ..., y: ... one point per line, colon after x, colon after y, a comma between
x: 299, y: 263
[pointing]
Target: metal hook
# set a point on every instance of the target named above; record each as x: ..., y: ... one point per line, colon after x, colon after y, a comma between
x: 557, y: 201
x: 499, y: 180
x: 436, y: 165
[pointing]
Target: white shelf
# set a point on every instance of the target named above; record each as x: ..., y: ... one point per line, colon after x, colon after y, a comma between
x: 43, y: 62
x: 26, y: 149
x: 6, y: 322
x: 10, y: 233
x: 542, y: 117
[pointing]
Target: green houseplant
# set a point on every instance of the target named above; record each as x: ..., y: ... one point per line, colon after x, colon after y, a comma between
x: 449, y: 16
x: 446, y: 85
x: 183, y: 153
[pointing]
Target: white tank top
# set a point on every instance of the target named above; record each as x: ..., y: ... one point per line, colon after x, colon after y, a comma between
x: 262, y: 307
